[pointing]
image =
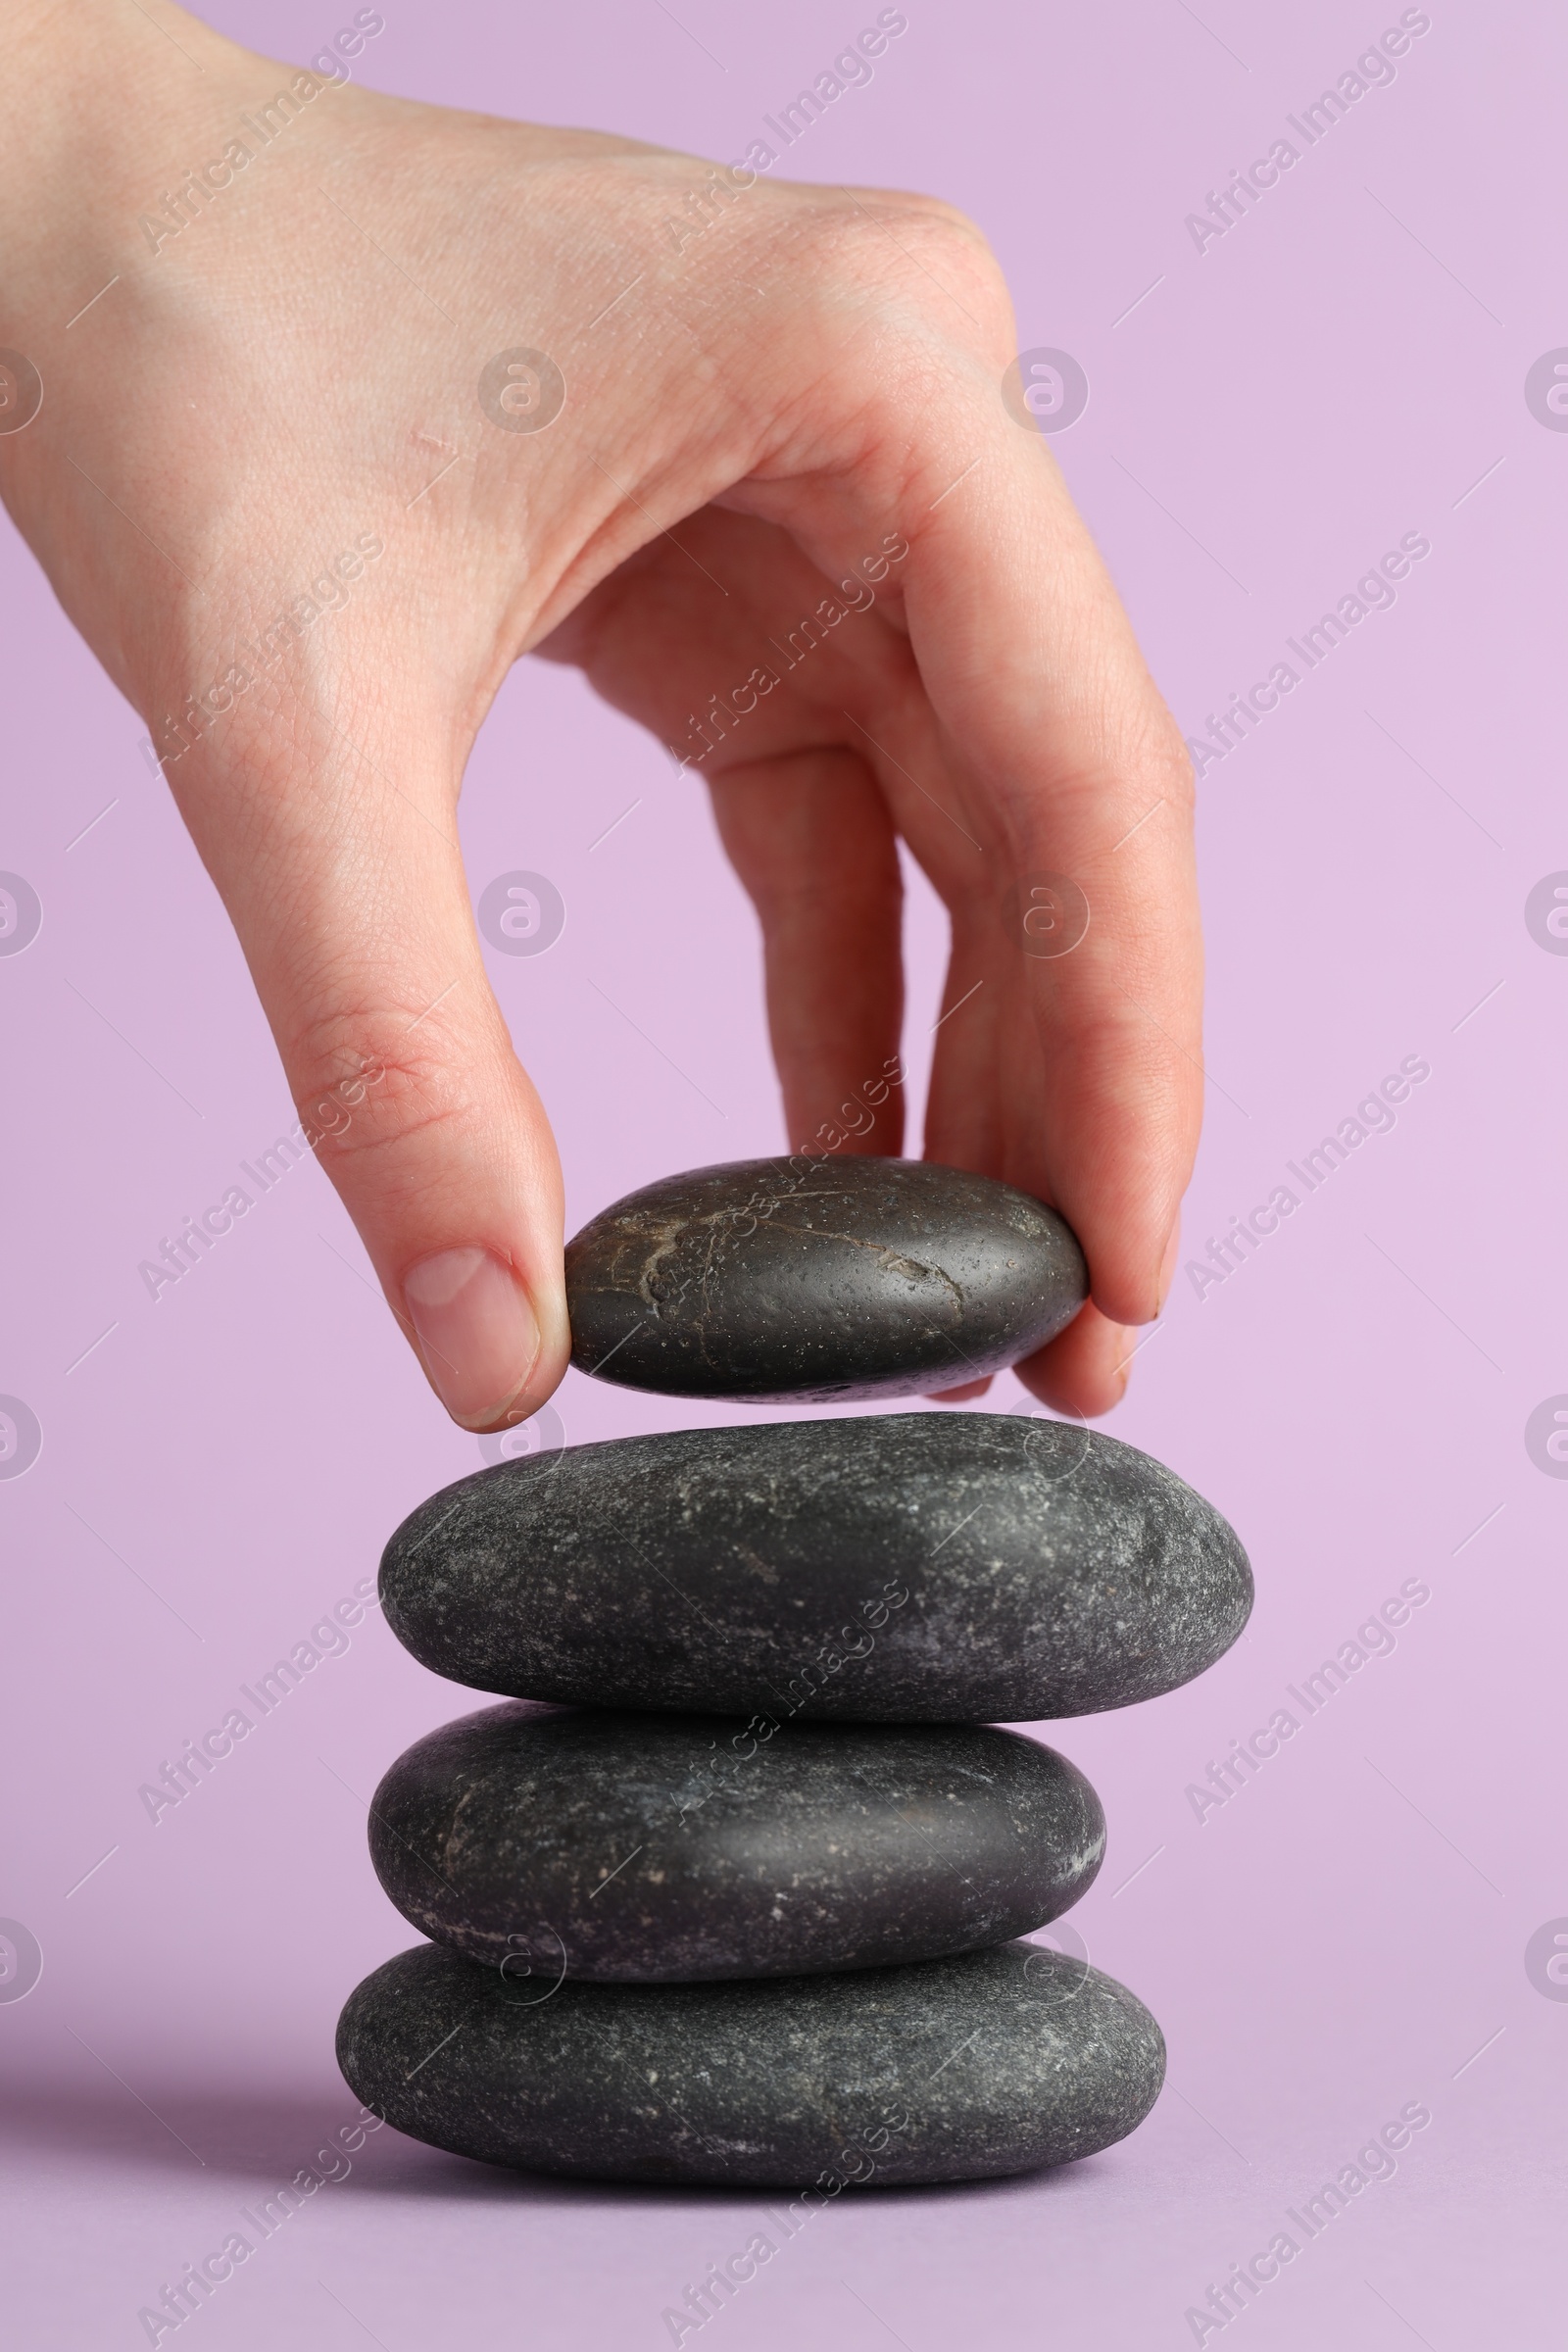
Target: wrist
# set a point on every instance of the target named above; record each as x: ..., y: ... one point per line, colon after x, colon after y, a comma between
x: 97, y: 109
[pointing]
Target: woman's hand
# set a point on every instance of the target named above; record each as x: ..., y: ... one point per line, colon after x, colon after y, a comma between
x: 385, y: 396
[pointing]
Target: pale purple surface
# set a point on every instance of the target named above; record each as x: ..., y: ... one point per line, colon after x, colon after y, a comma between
x: 1339, y: 1939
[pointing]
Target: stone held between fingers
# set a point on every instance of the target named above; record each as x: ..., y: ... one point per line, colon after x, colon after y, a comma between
x: 818, y: 1279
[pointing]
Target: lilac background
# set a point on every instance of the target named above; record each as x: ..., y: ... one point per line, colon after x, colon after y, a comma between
x: 1346, y: 1935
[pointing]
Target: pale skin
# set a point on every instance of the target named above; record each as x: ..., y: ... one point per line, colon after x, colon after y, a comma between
x: 769, y: 404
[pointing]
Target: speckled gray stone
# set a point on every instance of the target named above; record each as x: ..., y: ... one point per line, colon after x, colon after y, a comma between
x: 818, y: 1278
x: 912, y: 1567
x: 991, y: 2063
x: 668, y: 1848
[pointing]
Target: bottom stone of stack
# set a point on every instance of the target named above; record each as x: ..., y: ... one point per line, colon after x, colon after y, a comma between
x: 963, y: 2069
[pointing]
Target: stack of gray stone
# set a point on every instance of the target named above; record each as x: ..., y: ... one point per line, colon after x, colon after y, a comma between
x: 730, y: 1888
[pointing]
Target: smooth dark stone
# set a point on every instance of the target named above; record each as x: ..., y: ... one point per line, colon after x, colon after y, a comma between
x: 661, y: 1848
x: 950, y: 2070
x: 912, y: 1567
x: 818, y: 1279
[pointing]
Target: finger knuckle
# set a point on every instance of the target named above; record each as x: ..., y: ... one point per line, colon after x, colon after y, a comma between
x: 366, y: 1084
x: 938, y: 259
